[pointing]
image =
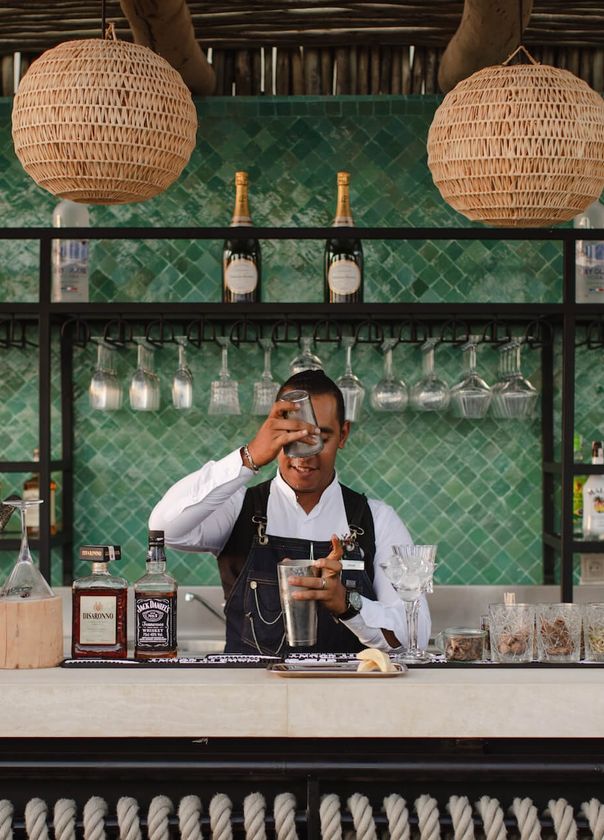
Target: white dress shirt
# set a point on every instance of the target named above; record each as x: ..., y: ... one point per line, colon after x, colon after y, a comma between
x: 199, y: 511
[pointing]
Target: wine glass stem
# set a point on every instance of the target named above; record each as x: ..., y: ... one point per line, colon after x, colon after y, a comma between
x: 224, y: 369
x: 349, y: 360
x: 24, y: 552
x: 388, y: 364
x: 412, y: 613
x: 267, y: 364
x: 428, y: 362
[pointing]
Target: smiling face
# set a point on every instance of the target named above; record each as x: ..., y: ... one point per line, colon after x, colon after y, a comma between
x: 309, y: 477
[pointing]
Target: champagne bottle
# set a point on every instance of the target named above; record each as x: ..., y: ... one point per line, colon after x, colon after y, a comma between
x: 343, y: 266
x: 241, y: 260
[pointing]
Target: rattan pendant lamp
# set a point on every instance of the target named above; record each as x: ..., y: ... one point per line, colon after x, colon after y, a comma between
x: 103, y: 121
x: 519, y: 144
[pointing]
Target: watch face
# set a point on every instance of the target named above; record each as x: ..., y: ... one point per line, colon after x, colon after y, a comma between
x: 355, y: 600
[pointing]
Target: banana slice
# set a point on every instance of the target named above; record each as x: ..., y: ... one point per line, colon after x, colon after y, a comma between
x: 373, y: 659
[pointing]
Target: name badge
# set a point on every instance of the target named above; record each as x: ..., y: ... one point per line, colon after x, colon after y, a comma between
x: 352, y: 564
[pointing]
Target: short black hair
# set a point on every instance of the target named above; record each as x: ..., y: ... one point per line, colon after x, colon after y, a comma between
x: 316, y: 382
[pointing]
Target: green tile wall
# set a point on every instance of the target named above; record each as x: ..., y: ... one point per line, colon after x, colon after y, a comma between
x: 473, y: 487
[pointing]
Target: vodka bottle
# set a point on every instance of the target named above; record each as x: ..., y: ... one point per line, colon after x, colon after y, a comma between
x: 70, y: 256
x: 590, y: 257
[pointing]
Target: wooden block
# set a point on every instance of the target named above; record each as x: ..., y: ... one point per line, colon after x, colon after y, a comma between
x: 31, y: 633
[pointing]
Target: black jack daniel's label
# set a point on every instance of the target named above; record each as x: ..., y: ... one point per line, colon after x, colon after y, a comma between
x: 156, y: 622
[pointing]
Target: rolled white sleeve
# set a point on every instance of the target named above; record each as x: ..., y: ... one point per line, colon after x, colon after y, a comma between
x: 199, y: 511
x: 388, y: 611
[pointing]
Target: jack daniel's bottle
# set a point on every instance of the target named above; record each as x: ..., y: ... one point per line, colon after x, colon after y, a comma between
x: 155, y: 605
x: 241, y: 261
x: 343, y: 267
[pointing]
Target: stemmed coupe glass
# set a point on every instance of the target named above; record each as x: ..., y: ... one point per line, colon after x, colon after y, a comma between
x: 105, y: 391
x: 410, y: 569
x: 514, y: 397
x: 182, y: 384
x: 265, y: 389
x: 350, y: 385
x: 306, y: 359
x: 390, y: 393
x: 430, y: 393
x: 25, y: 579
x: 224, y: 391
x: 471, y: 396
x: 144, y: 385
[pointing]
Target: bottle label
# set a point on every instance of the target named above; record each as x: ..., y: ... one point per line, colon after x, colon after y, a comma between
x: 98, y: 619
x: 344, y: 277
x: 156, y: 622
x: 32, y: 514
x: 590, y: 271
x: 241, y: 275
x: 70, y: 269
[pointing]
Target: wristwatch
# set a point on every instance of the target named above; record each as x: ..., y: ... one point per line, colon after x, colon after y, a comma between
x: 354, y: 602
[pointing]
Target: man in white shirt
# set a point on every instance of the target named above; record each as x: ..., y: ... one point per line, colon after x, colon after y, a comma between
x: 251, y: 529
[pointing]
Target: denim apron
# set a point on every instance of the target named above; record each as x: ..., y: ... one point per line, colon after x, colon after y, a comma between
x: 248, y: 567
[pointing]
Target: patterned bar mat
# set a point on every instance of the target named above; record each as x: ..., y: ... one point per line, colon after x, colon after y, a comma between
x: 209, y: 660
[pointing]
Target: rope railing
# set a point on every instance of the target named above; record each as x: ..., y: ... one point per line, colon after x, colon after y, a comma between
x: 357, y: 817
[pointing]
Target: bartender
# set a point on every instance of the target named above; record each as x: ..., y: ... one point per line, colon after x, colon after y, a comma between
x: 251, y: 528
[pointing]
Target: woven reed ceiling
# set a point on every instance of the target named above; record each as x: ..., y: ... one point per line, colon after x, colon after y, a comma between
x: 32, y: 26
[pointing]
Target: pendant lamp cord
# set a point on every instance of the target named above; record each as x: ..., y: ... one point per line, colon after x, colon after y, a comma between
x: 104, y: 17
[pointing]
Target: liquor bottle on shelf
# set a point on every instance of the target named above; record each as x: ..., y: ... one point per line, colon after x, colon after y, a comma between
x: 343, y: 264
x: 155, y: 605
x: 241, y: 258
x: 70, y: 256
x: 99, y: 607
x: 593, y: 498
x: 31, y: 490
x: 589, y: 265
x: 578, y: 482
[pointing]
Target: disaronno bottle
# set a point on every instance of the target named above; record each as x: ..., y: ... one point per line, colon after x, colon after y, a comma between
x: 155, y: 605
x: 99, y: 607
x: 241, y: 259
x: 343, y: 266
x: 31, y: 490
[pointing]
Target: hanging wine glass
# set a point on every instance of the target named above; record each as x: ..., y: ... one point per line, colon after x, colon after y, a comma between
x: 224, y: 391
x: 498, y: 407
x: 471, y: 396
x: 430, y: 393
x: 182, y: 384
x: 390, y: 393
x: 350, y: 385
x: 105, y: 391
x: 517, y: 398
x: 410, y: 569
x: 144, y: 385
x: 25, y: 579
x: 306, y: 359
x: 265, y: 389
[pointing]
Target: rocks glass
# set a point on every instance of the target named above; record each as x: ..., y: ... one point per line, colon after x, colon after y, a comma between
x: 512, y: 631
x: 593, y: 632
x: 558, y: 632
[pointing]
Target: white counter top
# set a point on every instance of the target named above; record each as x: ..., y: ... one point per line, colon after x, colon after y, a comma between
x: 196, y: 703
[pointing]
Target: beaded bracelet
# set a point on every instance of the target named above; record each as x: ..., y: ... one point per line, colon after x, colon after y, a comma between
x: 249, y: 459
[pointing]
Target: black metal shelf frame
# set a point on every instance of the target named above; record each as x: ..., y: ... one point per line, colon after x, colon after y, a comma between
x: 46, y: 315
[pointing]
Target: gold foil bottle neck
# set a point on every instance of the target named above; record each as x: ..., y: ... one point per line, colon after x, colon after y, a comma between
x: 343, y: 179
x: 241, y: 179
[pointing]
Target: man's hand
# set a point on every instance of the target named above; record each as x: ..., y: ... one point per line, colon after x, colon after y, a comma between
x: 277, y: 430
x: 328, y: 588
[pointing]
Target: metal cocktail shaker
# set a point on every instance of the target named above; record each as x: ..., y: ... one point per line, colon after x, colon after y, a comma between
x: 305, y: 412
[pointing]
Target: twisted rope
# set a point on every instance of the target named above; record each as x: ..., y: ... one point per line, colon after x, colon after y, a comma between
x: 461, y: 815
x: 189, y: 812
x: 6, y: 819
x: 396, y: 811
x: 527, y: 818
x: 331, y: 818
x: 427, y: 817
x: 220, y: 817
x: 593, y: 811
x: 564, y: 819
x: 35, y: 819
x: 64, y: 819
x: 127, y: 818
x: 158, y: 826
x: 362, y: 816
x: 95, y: 811
x: 254, y: 807
x: 491, y: 814
x: 284, y: 811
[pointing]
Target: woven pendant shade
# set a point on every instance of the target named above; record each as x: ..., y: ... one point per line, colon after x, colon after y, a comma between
x: 519, y: 145
x: 103, y: 122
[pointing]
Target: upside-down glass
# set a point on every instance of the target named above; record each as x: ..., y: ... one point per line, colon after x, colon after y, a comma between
x: 25, y: 579
x: 265, y: 389
x: 430, y: 393
x: 224, y: 391
x: 390, y: 393
x: 105, y: 390
x: 144, y: 385
x: 350, y: 385
x: 305, y: 360
x: 514, y: 397
x: 471, y: 396
x: 182, y: 384
x: 410, y: 569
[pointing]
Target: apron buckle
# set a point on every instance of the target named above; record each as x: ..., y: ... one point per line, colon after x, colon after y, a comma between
x: 260, y: 522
